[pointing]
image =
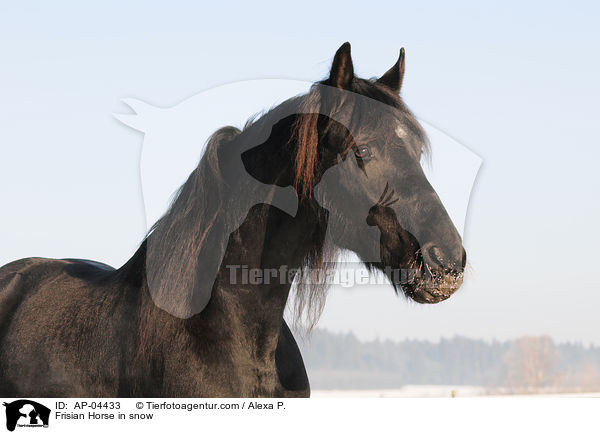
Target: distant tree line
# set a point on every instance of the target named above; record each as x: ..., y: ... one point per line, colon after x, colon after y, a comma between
x: 524, y: 365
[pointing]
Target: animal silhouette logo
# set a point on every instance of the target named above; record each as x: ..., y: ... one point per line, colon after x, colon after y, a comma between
x: 26, y: 413
x: 173, y: 138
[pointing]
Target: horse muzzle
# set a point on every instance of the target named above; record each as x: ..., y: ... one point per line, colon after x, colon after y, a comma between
x: 439, y: 279
x: 434, y: 290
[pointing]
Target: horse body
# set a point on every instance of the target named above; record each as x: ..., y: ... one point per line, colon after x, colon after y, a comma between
x: 78, y: 329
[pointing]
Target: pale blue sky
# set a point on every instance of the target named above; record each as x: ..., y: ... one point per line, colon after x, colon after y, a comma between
x: 517, y: 83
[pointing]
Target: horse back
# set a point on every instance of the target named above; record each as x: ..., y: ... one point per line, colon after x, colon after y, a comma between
x: 52, y: 312
x: 23, y: 277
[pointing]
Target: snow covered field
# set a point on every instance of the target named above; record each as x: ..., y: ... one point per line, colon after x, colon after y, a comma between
x: 436, y: 391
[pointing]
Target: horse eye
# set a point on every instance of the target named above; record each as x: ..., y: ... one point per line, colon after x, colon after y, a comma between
x: 363, y: 152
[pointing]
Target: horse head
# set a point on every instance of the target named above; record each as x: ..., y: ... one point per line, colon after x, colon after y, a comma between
x: 358, y: 155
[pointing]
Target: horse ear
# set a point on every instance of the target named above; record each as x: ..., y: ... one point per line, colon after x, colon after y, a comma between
x: 393, y: 77
x: 342, y: 71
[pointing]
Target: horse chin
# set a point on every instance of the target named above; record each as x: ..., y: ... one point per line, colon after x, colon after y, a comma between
x: 431, y: 290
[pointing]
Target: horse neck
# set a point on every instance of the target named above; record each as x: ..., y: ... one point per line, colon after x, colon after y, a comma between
x: 269, y: 242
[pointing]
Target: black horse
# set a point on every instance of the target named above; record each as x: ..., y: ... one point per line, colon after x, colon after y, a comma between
x: 182, y: 318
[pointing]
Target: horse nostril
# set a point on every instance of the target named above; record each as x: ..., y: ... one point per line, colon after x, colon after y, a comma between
x: 433, y: 256
x: 438, y: 261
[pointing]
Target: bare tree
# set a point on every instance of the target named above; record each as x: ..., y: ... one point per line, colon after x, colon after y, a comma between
x: 532, y: 364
